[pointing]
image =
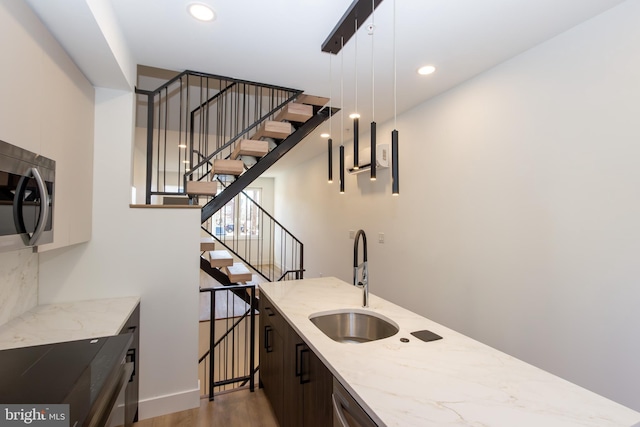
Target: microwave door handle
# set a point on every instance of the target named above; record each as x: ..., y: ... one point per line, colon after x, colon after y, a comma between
x: 44, y: 206
x: 18, y: 218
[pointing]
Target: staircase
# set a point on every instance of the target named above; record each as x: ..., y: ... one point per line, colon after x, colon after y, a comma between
x: 209, y: 137
x: 204, y: 130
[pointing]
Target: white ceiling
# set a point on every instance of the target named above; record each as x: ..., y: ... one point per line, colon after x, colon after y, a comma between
x: 278, y: 42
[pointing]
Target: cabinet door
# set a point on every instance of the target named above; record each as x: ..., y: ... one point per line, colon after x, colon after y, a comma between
x: 271, y: 359
x: 317, y: 392
x: 308, y: 386
x: 133, y: 355
x: 272, y: 368
x: 293, y: 379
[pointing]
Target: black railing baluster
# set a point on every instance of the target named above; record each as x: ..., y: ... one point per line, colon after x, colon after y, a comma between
x: 229, y: 345
x: 288, y: 246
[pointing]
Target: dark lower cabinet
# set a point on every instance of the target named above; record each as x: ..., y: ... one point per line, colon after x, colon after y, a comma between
x: 271, y: 361
x: 295, y: 380
x: 132, y: 326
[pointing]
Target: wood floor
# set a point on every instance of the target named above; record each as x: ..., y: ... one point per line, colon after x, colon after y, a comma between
x: 234, y: 409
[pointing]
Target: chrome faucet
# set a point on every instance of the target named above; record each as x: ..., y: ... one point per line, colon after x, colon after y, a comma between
x: 364, y: 283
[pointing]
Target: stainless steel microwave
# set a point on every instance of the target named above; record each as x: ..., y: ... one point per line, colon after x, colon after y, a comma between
x: 27, y: 184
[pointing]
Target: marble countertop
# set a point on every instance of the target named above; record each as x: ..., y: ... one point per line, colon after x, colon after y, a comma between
x: 67, y: 321
x: 450, y: 382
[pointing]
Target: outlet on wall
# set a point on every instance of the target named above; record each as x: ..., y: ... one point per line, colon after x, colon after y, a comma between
x: 380, y: 237
x: 352, y: 234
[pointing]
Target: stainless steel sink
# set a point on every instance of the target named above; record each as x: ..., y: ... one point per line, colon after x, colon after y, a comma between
x: 354, y: 326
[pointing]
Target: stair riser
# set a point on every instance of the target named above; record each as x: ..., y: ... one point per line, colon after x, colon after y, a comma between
x: 227, y: 167
x: 248, y: 147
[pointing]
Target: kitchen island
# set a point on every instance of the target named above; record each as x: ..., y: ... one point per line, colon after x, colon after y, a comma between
x: 452, y: 381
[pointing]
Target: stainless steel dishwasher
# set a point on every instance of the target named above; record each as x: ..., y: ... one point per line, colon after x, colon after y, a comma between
x: 346, y: 411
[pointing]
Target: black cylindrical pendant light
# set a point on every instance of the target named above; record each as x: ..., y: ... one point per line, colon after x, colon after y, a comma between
x: 373, y: 151
x: 356, y: 131
x: 395, y: 184
x: 330, y: 154
x: 342, y: 169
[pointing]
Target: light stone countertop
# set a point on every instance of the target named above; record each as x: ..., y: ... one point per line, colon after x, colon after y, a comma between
x: 454, y: 381
x: 67, y: 321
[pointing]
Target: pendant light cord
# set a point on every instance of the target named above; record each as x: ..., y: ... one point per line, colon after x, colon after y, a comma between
x: 395, y: 74
x: 356, y: 65
x: 373, y: 68
x: 330, y: 93
x: 342, y: 90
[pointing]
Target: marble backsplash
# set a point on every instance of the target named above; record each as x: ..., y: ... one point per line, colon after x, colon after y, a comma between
x: 18, y: 283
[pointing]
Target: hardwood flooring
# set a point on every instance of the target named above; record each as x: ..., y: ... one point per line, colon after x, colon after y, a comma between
x: 233, y: 409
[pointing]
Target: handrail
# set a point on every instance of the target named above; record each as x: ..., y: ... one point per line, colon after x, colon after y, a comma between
x: 236, y: 323
x: 265, y: 212
x: 207, y: 112
x: 295, y: 258
x: 235, y: 253
x: 214, y: 76
x: 245, y: 370
x: 235, y: 138
x: 213, y: 98
x: 289, y: 272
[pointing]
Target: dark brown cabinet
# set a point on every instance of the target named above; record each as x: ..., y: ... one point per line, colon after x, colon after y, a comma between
x: 132, y: 326
x: 271, y: 358
x: 295, y: 380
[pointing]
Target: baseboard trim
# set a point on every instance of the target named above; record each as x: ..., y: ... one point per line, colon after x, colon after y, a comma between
x: 168, y: 404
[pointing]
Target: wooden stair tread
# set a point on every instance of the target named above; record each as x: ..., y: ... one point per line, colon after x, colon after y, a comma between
x: 249, y: 147
x: 273, y: 129
x: 318, y: 101
x: 207, y: 244
x: 227, y: 167
x: 295, y: 112
x: 220, y: 258
x: 206, y: 188
x: 238, y: 272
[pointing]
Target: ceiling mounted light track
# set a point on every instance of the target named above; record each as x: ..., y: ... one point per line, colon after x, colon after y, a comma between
x: 355, y: 15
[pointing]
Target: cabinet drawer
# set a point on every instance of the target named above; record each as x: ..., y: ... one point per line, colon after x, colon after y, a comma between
x: 269, y: 314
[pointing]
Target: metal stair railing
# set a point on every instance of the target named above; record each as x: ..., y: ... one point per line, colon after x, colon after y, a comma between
x: 201, y: 113
x: 241, y: 182
x: 231, y: 358
x: 254, y: 236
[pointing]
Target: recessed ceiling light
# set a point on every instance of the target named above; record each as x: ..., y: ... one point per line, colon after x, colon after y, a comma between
x: 201, y: 12
x: 426, y: 70
x: 324, y: 135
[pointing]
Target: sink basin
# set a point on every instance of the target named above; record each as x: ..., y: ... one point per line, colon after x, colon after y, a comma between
x: 354, y: 326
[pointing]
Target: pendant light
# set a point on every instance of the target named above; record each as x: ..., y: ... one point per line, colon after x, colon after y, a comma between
x: 330, y: 153
x: 395, y: 183
x: 372, y: 29
x: 342, y: 116
x: 355, y: 116
x: 330, y: 141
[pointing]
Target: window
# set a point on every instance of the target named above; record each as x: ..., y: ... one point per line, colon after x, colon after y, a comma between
x: 239, y: 217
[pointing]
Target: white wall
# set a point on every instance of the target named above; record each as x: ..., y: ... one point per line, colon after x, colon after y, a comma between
x: 152, y: 253
x: 517, y: 222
